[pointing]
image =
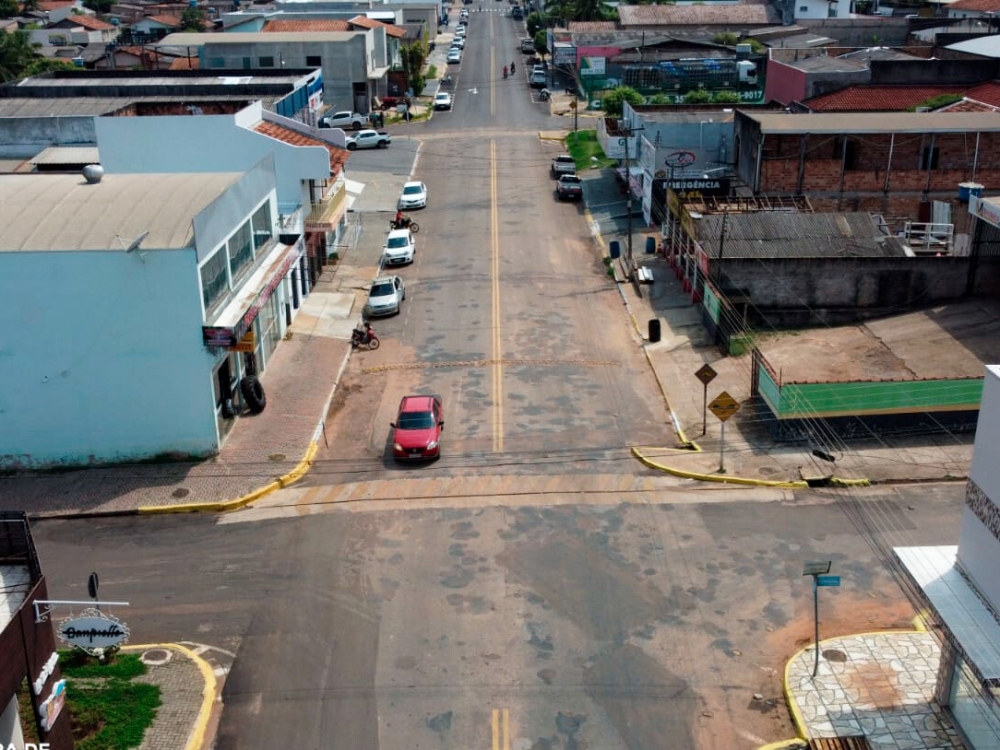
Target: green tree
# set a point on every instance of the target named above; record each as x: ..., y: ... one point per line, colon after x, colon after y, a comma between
x: 193, y: 19
x: 9, y: 8
x: 727, y: 38
x: 659, y: 99
x: 726, y: 97
x: 99, y: 6
x: 534, y: 22
x: 29, y: 5
x: 16, y: 54
x: 541, y: 41
x: 413, y: 56
x: 756, y: 46
x: 588, y: 10
x: 46, y: 64
x: 614, y: 102
x: 697, y: 96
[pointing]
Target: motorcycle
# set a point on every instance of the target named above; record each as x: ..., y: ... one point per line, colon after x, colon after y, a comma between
x: 405, y: 223
x: 364, y: 337
x: 447, y: 81
x: 544, y: 95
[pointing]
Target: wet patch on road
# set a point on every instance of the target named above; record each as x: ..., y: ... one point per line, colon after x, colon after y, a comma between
x: 474, y: 605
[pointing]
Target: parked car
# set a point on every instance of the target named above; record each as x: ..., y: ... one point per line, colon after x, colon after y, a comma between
x: 458, y: 43
x: 528, y: 46
x: 562, y: 164
x: 414, y: 195
x: 368, y: 139
x: 385, y: 296
x: 347, y: 120
x: 454, y: 56
x: 400, y: 247
x: 460, y: 31
x: 516, y: 13
x: 569, y: 188
x: 538, y: 79
x: 442, y: 100
x: 416, y: 433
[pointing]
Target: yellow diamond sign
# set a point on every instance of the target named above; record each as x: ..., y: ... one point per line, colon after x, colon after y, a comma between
x: 724, y: 406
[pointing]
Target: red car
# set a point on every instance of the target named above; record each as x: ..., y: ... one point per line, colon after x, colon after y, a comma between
x: 417, y: 429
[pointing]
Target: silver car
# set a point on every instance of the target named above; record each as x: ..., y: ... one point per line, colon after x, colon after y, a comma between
x: 385, y: 296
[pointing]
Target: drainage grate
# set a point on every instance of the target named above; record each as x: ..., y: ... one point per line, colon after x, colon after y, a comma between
x: 860, y: 742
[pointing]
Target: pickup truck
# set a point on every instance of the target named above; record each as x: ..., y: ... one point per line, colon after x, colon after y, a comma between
x: 569, y: 188
x: 368, y: 139
x: 345, y: 120
x: 562, y: 164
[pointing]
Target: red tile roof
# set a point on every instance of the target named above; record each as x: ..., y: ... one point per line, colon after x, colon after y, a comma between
x: 987, y: 93
x: 983, y: 6
x: 967, y: 105
x: 370, y: 23
x: 593, y: 26
x: 89, y: 22
x: 338, y: 156
x: 315, y: 25
x: 697, y: 15
x: 55, y: 4
x: 185, y: 63
x: 172, y: 21
x: 878, y: 98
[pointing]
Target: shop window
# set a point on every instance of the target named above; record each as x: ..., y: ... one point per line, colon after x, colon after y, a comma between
x: 266, y: 62
x: 214, y: 282
x: 314, y: 61
x: 263, y: 229
x: 240, y: 252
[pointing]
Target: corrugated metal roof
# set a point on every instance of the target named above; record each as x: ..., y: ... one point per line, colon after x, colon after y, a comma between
x: 878, y: 98
x: 716, y: 14
x: 69, y: 155
x: 61, y: 212
x: 184, y: 39
x: 95, y: 107
x: 779, y: 234
x: 833, y: 123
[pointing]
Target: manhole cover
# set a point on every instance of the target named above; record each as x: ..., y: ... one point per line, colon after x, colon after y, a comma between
x: 834, y: 654
x: 180, y: 492
x: 768, y: 471
x: 277, y: 457
x: 156, y: 657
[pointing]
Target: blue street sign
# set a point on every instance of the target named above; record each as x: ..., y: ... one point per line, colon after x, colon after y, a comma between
x: 827, y: 580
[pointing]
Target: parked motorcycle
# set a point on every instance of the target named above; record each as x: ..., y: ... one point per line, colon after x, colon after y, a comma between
x: 544, y: 95
x: 364, y: 337
x: 447, y: 81
x: 405, y: 223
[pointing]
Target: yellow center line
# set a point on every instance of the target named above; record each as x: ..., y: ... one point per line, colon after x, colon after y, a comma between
x: 497, y: 744
x: 496, y: 729
x: 493, y: 74
x: 497, y: 348
x: 506, y: 729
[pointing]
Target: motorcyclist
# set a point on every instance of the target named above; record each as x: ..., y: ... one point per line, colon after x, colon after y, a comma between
x: 362, y: 332
x: 504, y: 71
x: 512, y: 68
x: 398, y: 222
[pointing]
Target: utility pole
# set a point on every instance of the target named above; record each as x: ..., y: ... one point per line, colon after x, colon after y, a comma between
x: 628, y: 131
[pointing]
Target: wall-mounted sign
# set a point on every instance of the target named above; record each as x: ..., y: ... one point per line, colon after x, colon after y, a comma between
x: 93, y: 630
x: 593, y: 66
x: 246, y: 344
x: 47, y: 669
x: 49, y: 709
x: 680, y: 159
x: 217, y: 336
x: 988, y: 212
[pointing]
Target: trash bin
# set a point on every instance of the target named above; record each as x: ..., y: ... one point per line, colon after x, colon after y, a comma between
x: 615, y: 249
x: 650, y: 245
x: 654, y: 330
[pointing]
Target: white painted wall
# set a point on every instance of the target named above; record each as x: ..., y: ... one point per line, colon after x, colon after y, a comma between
x: 102, y: 358
x: 978, y: 549
x: 207, y: 143
x: 821, y: 9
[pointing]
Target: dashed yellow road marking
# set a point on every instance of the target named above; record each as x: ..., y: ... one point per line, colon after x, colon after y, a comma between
x: 501, y: 729
x: 497, y: 347
x: 491, y: 362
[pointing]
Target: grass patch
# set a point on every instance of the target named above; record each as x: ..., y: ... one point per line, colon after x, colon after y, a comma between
x: 582, y: 145
x: 432, y: 72
x: 75, y: 663
x: 108, y: 710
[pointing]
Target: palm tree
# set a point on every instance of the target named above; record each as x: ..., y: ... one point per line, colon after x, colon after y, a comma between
x: 588, y: 10
x: 16, y: 53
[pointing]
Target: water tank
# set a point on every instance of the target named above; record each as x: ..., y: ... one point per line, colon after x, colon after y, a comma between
x: 743, y: 50
x: 967, y: 190
x: 93, y: 173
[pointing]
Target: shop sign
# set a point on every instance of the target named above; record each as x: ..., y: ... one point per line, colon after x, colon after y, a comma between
x: 246, y: 344
x: 93, y: 630
x: 564, y: 55
x: 593, y: 66
x: 217, y: 337
x: 984, y: 210
x: 47, y: 669
x: 680, y: 159
x: 51, y: 707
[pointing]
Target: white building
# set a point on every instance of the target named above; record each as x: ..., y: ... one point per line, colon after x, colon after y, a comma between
x: 112, y: 353
x: 822, y: 9
x: 962, y: 587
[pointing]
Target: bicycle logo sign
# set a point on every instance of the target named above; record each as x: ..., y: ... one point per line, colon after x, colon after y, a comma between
x: 680, y: 159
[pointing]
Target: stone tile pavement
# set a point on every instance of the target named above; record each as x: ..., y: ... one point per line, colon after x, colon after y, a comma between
x: 880, y: 685
x: 181, y: 697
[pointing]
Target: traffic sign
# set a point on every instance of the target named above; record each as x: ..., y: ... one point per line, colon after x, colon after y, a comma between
x: 827, y: 580
x: 706, y: 374
x: 724, y: 406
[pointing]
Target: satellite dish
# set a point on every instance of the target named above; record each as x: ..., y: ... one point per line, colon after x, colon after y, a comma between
x: 134, y: 245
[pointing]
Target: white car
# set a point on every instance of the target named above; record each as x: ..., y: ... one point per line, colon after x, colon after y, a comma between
x: 458, y: 42
x: 368, y: 139
x: 414, y: 195
x: 460, y: 31
x: 399, y: 247
x: 442, y: 100
x: 385, y: 296
x: 455, y: 56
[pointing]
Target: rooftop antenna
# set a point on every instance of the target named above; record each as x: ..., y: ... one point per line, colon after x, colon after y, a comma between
x: 133, y: 246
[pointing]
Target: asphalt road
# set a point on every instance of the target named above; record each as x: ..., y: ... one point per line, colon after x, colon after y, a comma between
x: 628, y: 626
x: 509, y: 313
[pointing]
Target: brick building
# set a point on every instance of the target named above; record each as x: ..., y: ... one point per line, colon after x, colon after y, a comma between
x: 27, y: 647
x: 893, y: 163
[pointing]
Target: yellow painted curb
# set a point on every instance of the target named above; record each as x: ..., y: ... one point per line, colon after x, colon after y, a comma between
x: 793, y: 485
x: 786, y: 688
x: 794, y: 744
x: 197, y: 736
x: 226, y: 505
